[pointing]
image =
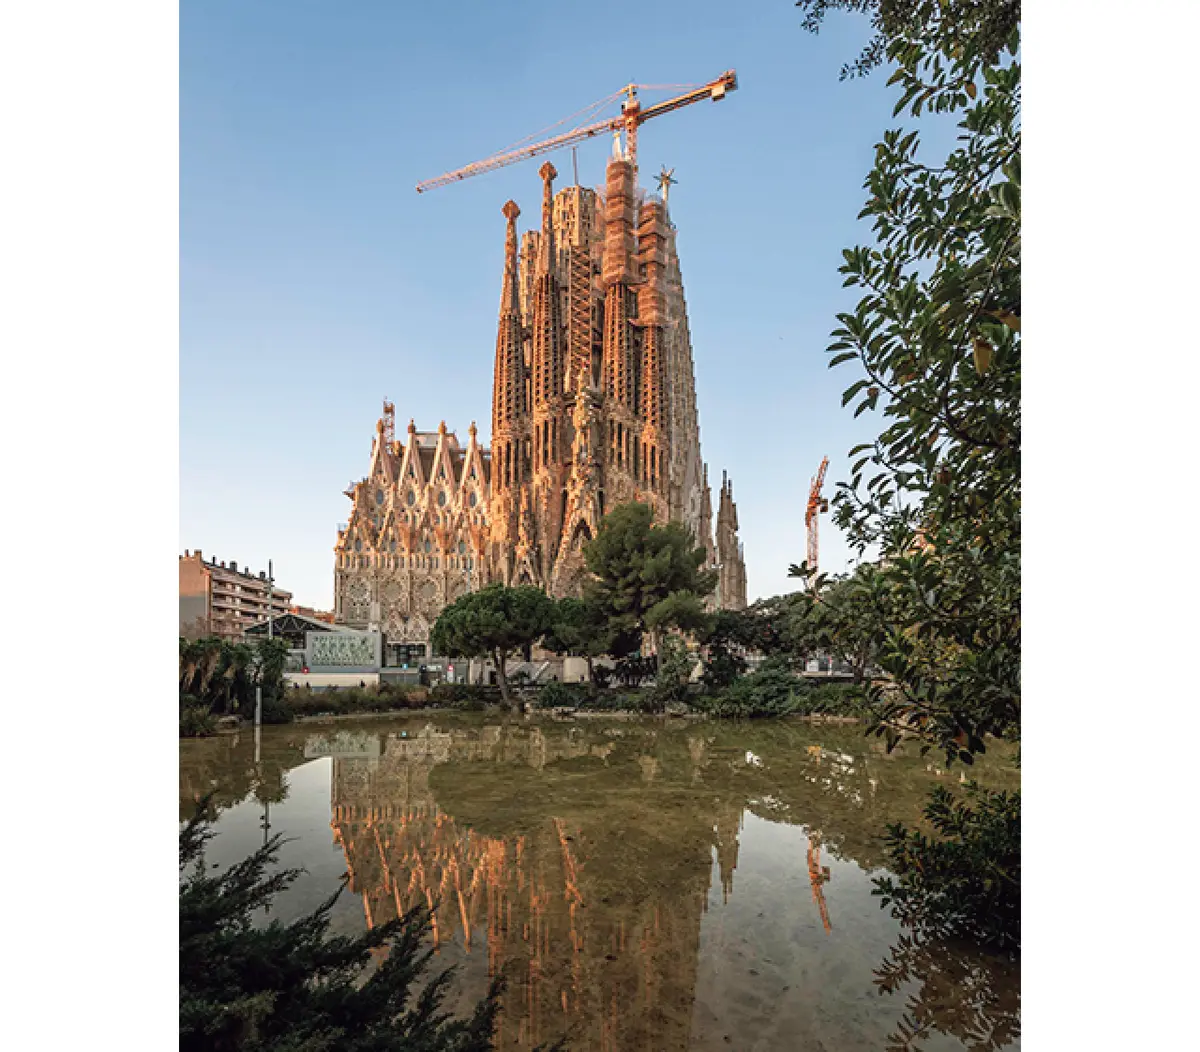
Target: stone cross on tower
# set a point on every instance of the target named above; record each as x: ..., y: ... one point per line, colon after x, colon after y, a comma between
x: 665, y: 181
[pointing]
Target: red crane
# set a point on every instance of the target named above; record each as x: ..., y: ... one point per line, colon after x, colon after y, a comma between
x: 816, y: 505
x: 632, y: 115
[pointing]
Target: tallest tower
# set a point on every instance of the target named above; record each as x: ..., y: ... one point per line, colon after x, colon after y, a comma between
x: 594, y: 321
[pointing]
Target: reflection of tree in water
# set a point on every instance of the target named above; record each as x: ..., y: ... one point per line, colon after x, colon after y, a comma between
x: 225, y: 767
x: 961, y: 991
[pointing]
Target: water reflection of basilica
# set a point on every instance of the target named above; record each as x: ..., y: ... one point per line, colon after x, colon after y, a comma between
x: 594, y: 939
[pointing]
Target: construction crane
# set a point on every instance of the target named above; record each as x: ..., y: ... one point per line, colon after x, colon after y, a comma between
x: 632, y: 115
x: 816, y: 505
x: 818, y: 876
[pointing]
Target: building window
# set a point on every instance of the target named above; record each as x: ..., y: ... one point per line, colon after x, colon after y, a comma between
x: 472, y: 499
x: 428, y: 547
x: 358, y: 546
x: 411, y: 498
x: 462, y: 547
x: 442, y: 499
x: 379, y: 496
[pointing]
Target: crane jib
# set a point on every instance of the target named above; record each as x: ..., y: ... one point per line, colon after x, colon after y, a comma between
x: 629, y: 121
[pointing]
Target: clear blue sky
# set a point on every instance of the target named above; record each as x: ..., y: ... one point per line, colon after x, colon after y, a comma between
x: 315, y: 281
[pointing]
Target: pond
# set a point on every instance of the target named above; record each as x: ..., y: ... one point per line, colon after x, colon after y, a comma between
x: 644, y: 884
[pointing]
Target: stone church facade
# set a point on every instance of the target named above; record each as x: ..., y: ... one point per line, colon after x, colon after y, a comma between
x: 593, y: 405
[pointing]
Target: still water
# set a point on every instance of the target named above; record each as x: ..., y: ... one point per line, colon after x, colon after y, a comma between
x: 649, y: 885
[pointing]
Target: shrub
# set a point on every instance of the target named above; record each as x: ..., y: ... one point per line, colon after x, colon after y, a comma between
x: 555, y: 695
x: 276, y: 710
x: 249, y: 985
x: 771, y: 690
x: 195, y: 721
x: 674, y: 672
x: 467, y: 697
x: 837, y: 699
x: 620, y: 701
x: 966, y: 882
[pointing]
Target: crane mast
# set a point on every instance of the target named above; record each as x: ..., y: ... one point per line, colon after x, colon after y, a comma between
x: 631, y: 117
x: 812, y: 513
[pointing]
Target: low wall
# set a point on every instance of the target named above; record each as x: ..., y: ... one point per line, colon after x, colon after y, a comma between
x: 331, y: 679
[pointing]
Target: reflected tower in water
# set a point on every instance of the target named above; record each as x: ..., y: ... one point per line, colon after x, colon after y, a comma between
x: 590, y: 907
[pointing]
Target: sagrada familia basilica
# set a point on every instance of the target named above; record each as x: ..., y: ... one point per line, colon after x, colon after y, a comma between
x: 593, y: 406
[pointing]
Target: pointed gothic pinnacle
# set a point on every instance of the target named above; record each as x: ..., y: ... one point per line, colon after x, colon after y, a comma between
x: 546, y: 246
x: 442, y: 428
x: 510, y: 297
x: 412, y: 427
x: 472, y: 430
x: 379, y: 426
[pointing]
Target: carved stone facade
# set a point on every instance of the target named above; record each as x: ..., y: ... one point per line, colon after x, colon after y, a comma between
x: 593, y: 405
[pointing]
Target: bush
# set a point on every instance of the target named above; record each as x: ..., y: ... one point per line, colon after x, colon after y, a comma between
x: 195, y: 721
x: 556, y: 695
x: 837, y: 699
x: 966, y: 883
x: 384, y: 698
x: 248, y: 985
x: 771, y: 690
x: 467, y: 697
x: 621, y: 701
x: 276, y: 710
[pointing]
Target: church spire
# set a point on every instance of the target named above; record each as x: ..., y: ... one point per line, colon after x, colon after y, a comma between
x: 545, y: 260
x: 510, y: 298
x: 508, y: 391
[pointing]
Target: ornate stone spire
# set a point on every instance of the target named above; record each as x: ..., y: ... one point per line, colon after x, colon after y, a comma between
x: 546, y: 245
x: 508, y: 392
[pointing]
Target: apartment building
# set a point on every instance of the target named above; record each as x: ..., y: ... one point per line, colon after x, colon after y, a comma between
x: 216, y: 599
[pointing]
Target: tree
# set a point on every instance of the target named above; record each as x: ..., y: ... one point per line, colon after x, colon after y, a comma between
x: 496, y: 622
x: 580, y: 630
x: 284, y: 988
x: 849, y: 618
x: 647, y: 578
x: 985, y: 26
x: 936, y: 337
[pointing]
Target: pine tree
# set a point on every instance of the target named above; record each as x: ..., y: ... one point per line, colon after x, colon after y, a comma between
x: 294, y: 988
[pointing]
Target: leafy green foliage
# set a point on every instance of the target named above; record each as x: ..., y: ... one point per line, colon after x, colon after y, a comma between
x: 936, y: 340
x: 937, y: 337
x: 675, y: 667
x: 195, y: 720
x: 985, y: 26
x: 496, y: 622
x: 557, y: 695
x: 646, y: 579
x: 967, y: 882
x: 386, y: 697
x: 471, y: 697
x: 220, y: 677
x: 579, y: 630
x: 255, y: 987
x: 771, y: 690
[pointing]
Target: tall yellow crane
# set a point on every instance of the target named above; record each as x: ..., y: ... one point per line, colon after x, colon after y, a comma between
x: 631, y: 117
x: 812, y: 513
